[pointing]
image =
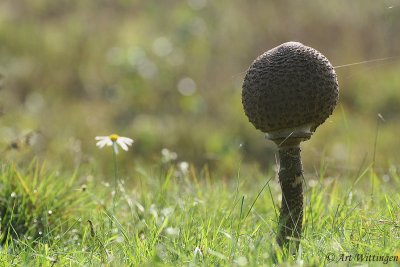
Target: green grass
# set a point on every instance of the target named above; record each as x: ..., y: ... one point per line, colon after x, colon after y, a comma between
x: 70, y: 72
x: 163, y: 214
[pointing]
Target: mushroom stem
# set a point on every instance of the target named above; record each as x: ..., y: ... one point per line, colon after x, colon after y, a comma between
x: 291, y: 181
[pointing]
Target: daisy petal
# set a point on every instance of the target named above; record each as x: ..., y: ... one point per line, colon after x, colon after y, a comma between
x: 126, y: 140
x: 101, y: 143
x: 122, y: 144
x: 109, y: 142
x: 100, y: 137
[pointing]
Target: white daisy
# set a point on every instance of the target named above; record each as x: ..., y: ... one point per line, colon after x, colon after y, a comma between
x: 114, y: 140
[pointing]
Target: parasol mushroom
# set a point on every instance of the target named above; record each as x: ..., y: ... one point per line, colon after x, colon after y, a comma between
x: 287, y: 93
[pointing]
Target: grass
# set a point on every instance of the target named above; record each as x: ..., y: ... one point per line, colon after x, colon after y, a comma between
x: 168, y: 216
x: 71, y: 72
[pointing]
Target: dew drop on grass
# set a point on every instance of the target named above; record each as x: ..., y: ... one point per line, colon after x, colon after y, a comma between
x: 241, y: 261
x: 197, y: 251
x: 184, y: 167
x: 172, y: 231
x: 119, y: 239
x: 153, y: 211
x: 167, y: 211
x: 142, y: 236
x: 139, y: 206
x: 168, y: 155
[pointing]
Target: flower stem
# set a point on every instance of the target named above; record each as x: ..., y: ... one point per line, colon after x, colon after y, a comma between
x: 115, y: 179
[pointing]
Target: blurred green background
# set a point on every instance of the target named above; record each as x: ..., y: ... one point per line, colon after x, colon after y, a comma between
x: 168, y: 74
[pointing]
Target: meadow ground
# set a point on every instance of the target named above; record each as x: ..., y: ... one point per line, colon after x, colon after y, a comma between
x: 176, y: 215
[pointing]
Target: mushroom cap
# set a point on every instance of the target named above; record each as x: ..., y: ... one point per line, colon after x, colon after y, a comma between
x: 291, y: 87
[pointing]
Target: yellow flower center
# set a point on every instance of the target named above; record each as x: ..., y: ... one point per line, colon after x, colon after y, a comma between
x: 114, y: 137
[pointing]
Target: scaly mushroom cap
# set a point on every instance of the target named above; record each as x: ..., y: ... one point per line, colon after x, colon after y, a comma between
x: 291, y: 86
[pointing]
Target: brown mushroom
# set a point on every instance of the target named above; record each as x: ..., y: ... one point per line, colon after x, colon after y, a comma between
x: 287, y: 93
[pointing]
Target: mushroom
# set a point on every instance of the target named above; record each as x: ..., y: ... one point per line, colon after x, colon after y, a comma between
x: 287, y: 93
